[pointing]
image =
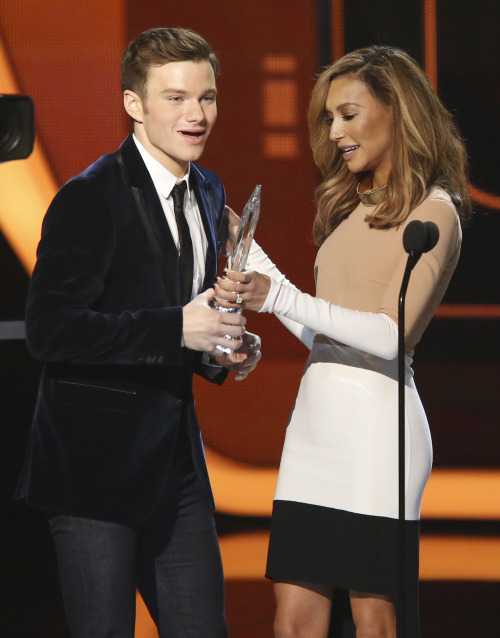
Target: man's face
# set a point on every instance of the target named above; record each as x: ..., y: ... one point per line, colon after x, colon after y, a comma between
x: 174, y: 121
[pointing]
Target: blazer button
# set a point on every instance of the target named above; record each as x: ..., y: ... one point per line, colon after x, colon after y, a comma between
x: 178, y: 403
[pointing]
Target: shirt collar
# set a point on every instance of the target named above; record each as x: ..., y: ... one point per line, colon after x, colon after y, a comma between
x: 163, y: 179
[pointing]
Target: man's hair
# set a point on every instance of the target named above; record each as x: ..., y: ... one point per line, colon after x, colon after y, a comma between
x: 427, y: 149
x: 158, y: 46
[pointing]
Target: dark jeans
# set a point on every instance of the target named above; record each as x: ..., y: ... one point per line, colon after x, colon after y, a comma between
x: 173, y: 559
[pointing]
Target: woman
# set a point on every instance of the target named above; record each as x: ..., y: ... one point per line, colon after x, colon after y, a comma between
x: 389, y: 154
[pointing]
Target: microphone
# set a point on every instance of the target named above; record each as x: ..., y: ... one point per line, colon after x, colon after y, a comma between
x: 432, y: 236
x: 419, y: 237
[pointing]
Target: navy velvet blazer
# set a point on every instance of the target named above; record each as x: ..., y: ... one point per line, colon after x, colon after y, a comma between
x: 104, y: 315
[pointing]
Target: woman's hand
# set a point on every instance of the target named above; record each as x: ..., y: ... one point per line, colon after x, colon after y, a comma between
x: 242, y: 290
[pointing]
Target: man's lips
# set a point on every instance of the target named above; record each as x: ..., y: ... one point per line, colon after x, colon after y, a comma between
x: 348, y: 151
x: 193, y: 137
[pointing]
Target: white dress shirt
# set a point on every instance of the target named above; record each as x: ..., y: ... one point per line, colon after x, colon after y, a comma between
x: 164, y: 182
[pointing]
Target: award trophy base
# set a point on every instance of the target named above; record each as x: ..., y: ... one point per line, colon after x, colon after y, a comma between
x: 236, y: 311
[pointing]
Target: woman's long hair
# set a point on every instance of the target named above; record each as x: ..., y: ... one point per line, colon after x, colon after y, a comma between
x: 427, y: 149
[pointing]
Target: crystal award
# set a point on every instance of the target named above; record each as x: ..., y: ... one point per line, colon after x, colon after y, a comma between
x: 244, y: 235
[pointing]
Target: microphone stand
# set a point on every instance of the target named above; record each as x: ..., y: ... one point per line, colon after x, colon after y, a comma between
x: 413, y: 257
x: 419, y: 237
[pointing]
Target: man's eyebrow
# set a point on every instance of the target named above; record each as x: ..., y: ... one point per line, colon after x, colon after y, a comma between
x: 211, y: 90
x: 174, y: 90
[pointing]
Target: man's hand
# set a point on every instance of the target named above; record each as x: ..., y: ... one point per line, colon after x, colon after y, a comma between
x: 205, y: 328
x: 245, y: 359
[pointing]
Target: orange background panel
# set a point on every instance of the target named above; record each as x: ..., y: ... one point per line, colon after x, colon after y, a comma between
x: 280, y: 103
x: 66, y: 57
x: 279, y: 63
x: 281, y: 146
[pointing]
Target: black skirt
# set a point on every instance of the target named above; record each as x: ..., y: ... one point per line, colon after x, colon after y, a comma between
x: 346, y: 551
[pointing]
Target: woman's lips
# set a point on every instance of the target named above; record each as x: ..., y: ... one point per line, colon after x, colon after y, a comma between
x: 349, y: 151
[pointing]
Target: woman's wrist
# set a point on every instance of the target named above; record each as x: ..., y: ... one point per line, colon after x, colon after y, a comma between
x: 272, y: 295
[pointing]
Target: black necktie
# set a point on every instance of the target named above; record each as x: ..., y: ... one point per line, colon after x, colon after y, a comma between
x: 186, y: 260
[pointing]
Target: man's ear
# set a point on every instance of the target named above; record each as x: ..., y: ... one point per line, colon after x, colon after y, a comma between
x: 133, y: 105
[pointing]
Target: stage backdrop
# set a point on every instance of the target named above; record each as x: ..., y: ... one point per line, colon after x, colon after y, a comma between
x: 66, y: 55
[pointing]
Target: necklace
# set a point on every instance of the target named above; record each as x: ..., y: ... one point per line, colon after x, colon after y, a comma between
x: 373, y: 197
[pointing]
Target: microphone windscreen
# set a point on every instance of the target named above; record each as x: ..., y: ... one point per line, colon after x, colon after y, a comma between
x: 415, y: 237
x: 432, y: 236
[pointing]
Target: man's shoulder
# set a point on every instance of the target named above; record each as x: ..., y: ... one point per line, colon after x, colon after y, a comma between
x: 100, y: 168
x: 108, y: 165
x: 95, y: 183
x: 103, y: 175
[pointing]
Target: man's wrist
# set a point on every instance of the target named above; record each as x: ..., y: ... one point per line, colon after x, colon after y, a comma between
x: 210, y: 360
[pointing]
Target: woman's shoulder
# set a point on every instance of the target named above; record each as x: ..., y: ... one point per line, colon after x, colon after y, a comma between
x: 439, y: 194
x: 439, y: 208
x: 438, y: 203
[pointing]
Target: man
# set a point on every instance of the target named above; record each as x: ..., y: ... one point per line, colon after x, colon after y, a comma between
x: 115, y: 456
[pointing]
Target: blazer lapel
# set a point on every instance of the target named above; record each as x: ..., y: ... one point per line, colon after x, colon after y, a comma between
x: 153, y: 216
x: 203, y: 193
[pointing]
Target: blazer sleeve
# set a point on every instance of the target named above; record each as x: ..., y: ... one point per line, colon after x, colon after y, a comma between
x: 64, y: 322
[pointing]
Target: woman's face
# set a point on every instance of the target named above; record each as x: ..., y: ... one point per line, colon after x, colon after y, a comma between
x: 361, y: 127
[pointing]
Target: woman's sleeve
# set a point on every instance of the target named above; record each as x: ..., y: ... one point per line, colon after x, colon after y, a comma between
x: 259, y: 261
x: 430, y: 277
x: 375, y: 332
